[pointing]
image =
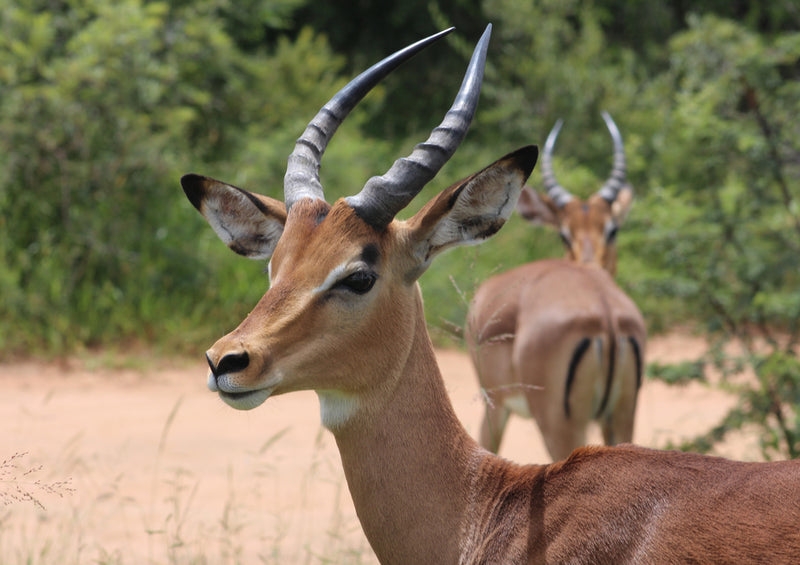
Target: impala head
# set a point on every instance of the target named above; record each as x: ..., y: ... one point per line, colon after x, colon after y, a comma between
x: 343, y: 304
x: 587, y: 227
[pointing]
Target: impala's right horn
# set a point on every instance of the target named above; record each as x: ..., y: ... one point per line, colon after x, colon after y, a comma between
x: 618, y: 178
x: 555, y: 191
x: 302, y: 170
x: 383, y: 197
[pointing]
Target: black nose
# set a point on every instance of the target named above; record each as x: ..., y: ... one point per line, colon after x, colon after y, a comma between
x: 231, y: 363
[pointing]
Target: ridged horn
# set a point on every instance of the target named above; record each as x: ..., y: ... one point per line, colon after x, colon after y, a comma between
x: 384, y: 196
x: 617, y: 180
x: 555, y: 191
x: 302, y: 170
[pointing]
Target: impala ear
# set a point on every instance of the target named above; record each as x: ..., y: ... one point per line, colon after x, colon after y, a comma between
x: 248, y: 223
x: 622, y: 205
x: 537, y: 208
x: 471, y: 210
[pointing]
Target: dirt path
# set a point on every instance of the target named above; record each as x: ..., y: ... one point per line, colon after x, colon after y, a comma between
x: 163, y: 472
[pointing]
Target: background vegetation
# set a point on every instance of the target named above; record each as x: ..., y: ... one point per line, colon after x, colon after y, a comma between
x: 105, y: 104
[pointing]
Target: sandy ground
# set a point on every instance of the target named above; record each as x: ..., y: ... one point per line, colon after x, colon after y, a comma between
x: 161, y: 471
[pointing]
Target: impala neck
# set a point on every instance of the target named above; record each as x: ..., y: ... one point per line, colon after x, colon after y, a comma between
x: 408, y: 461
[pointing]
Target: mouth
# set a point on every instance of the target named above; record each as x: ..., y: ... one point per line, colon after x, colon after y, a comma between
x: 241, y: 400
x: 245, y: 400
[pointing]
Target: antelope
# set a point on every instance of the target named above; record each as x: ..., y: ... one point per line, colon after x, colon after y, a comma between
x: 343, y: 316
x: 557, y: 340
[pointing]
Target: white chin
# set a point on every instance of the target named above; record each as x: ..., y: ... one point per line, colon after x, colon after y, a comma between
x: 245, y: 400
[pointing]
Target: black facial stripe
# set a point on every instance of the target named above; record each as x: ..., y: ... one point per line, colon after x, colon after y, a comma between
x: 370, y: 254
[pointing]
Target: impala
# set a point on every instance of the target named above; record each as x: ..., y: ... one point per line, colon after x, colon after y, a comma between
x: 557, y: 340
x: 343, y: 316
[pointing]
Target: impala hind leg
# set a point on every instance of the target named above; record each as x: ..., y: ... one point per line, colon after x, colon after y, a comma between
x: 562, y: 436
x: 618, y: 423
x: 617, y: 426
x: 566, y: 372
x: 494, y: 423
x: 495, y: 375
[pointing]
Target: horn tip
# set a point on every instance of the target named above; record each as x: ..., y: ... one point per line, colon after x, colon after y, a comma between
x: 487, y: 33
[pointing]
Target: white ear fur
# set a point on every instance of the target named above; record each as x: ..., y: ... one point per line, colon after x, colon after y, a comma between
x: 250, y: 224
x: 480, y: 209
x: 622, y: 205
x: 471, y: 211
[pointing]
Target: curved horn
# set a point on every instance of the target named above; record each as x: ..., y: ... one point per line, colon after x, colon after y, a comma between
x: 383, y: 197
x: 617, y: 180
x: 555, y: 191
x: 302, y: 171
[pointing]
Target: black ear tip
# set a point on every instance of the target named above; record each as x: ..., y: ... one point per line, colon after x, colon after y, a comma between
x: 533, y: 156
x: 194, y: 188
x: 526, y: 157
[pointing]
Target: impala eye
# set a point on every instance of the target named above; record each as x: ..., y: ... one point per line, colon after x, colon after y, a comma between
x: 359, y: 282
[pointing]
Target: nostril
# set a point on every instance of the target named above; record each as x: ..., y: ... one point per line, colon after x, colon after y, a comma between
x: 231, y: 363
x: 211, y: 365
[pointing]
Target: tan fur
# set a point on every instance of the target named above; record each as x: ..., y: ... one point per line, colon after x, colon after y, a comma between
x: 525, y: 326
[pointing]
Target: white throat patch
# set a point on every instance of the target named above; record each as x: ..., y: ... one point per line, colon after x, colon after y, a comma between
x: 336, y: 408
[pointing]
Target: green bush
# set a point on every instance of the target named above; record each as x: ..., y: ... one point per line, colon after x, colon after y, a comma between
x: 104, y: 107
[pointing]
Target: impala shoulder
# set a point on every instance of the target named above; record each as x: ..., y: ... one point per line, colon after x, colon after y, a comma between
x: 498, y: 519
x: 602, y: 466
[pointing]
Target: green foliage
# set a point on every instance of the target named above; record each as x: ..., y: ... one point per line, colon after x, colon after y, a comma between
x: 768, y: 404
x: 558, y: 63
x: 677, y: 373
x: 730, y: 154
x: 104, y: 107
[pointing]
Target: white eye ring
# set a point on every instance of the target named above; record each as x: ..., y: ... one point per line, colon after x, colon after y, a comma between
x: 340, y: 273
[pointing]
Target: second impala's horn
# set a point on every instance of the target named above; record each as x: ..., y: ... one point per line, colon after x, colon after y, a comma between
x: 618, y: 178
x: 555, y: 191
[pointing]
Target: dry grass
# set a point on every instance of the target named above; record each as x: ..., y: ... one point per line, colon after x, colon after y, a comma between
x: 46, y: 520
x: 20, y: 484
x: 237, y: 536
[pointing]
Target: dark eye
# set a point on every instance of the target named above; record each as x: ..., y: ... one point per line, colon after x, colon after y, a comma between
x: 359, y: 282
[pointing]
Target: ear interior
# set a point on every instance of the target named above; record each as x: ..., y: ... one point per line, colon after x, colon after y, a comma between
x: 250, y: 224
x: 471, y: 210
x: 622, y: 205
